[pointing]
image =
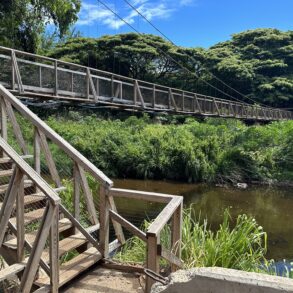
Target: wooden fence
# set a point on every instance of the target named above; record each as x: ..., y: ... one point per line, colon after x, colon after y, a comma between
x: 34, y: 76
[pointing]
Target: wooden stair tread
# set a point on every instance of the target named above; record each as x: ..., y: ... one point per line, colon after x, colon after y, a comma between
x: 11, y: 271
x: 4, y: 187
x: 30, y: 216
x: 64, y: 224
x: 69, y: 243
x: 6, y: 173
x: 6, y: 160
x: 30, y: 199
x: 74, y: 267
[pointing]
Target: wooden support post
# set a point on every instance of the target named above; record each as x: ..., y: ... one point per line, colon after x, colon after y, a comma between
x: 20, y: 221
x: 135, y: 93
x: 117, y: 227
x: 72, y: 82
x: 37, y: 152
x: 16, y: 128
x: 3, y: 122
x: 112, y: 86
x: 40, y: 77
x: 176, y: 233
x: 197, y: 103
x: 76, y: 191
x: 49, y: 159
x: 121, y: 91
x: 8, y: 203
x: 56, y: 77
x: 98, y: 87
x: 154, y: 96
x: 38, y: 247
x: 152, y: 259
x: 16, y: 69
x: 91, y: 85
x: 54, y: 251
x: 183, y: 102
x: 104, y: 223
x: 138, y: 92
x: 172, y: 100
x: 12, y: 73
x: 88, y: 196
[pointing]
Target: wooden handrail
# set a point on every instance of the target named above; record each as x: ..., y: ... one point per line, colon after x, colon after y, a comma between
x: 165, y: 215
x: 75, y: 155
x: 30, y: 172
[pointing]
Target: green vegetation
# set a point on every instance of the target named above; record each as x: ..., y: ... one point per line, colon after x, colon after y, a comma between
x: 242, y: 247
x: 258, y: 63
x: 23, y: 22
x: 216, y: 150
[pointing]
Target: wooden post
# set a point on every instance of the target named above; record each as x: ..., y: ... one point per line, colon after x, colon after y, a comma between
x: 98, y: 88
x: 37, y: 152
x: 40, y: 77
x: 3, y: 122
x: 104, y: 223
x: 152, y: 259
x: 121, y: 91
x: 32, y: 266
x: 154, y: 96
x: 112, y: 87
x: 183, y: 97
x: 12, y: 72
x: 176, y: 233
x: 56, y: 77
x: 76, y: 190
x: 20, y: 221
x: 54, y: 252
x: 135, y: 93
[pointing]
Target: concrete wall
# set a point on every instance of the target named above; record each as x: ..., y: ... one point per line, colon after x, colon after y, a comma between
x: 219, y: 280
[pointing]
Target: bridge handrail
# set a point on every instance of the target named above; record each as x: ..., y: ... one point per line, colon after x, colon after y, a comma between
x: 75, y: 155
x: 132, y: 80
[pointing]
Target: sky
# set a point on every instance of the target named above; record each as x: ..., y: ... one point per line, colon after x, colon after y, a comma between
x: 188, y: 23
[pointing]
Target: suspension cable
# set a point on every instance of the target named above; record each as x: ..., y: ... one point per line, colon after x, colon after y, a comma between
x: 191, y: 57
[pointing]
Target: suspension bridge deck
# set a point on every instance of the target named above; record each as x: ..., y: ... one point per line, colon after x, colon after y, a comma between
x: 32, y: 76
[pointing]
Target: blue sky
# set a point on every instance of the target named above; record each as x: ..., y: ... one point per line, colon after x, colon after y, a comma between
x: 189, y: 23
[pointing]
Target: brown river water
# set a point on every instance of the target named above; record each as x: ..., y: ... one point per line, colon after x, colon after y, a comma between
x: 271, y: 207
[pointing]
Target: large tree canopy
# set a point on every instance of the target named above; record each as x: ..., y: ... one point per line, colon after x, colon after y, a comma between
x: 258, y: 63
x: 22, y: 22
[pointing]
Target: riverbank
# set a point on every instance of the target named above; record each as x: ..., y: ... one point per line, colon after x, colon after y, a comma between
x: 215, y: 151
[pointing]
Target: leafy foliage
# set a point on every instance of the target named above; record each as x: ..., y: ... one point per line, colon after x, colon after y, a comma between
x: 216, y: 150
x: 22, y: 22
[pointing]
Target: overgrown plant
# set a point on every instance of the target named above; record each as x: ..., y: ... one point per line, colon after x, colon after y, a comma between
x: 240, y: 247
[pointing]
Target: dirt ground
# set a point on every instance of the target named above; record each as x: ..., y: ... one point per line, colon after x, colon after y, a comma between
x: 103, y: 280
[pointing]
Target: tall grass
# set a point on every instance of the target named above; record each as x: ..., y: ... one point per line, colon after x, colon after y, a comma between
x: 240, y: 247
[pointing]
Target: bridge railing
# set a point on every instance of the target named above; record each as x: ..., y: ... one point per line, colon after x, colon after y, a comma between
x: 37, y: 76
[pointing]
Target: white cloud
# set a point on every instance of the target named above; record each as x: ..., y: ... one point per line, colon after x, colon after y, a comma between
x: 96, y: 13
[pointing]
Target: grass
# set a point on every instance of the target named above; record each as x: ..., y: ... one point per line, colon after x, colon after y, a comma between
x: 241, y: 247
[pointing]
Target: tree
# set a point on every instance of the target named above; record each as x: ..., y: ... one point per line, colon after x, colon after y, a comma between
x: 22, y: 22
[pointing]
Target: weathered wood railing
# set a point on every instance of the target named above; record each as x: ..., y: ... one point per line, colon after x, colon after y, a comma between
x: 31, y: 75
x: 48, y: 226
x: 100, y: 203
x: 171, y: 212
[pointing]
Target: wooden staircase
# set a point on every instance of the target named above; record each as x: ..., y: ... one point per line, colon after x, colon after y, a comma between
x: 53, y: 230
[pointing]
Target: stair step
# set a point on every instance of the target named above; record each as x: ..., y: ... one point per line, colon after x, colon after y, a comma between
x: 74, y: 267
x: 4, y: 187
x: 11, y: 271
x: 6, y: 160
x: 71, y: 242
x: 6, y: 173
x: 30, y: 217
x: 64, y: 224
x: 31, y: 199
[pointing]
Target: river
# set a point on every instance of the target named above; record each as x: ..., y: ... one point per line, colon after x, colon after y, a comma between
x: 271, y: 207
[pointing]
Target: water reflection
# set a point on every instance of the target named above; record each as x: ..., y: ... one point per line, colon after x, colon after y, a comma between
x: 272, y: 207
